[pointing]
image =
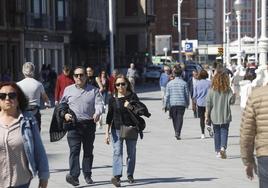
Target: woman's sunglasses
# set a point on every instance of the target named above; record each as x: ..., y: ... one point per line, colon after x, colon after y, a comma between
x: 11, y: 95
x: 122, y: 84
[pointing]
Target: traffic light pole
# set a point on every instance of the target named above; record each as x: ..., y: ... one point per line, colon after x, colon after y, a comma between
x: 179, y: 29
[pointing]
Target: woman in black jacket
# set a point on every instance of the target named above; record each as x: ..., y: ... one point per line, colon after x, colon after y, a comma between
x: 118, y: 116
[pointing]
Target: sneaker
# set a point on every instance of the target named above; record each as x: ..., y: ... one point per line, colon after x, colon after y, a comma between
x: 203, y: 136
x: 116, y: 181
x: 218, y: 155
x: 178, y: 137
x: 89, y: 180
x: 223, y: 153
x: 130, y: 179
x: 210, y: 131
x: 72, y: 180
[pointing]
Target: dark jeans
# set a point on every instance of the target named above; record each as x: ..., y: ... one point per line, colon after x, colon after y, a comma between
x: 85, y: 134
x: 177, y: 113
x: 36, y: 112
x: 263, y: 171
x: 201, y: 115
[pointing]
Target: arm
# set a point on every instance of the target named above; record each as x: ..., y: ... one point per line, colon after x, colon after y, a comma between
x: 247, y: 137
x: 57, y: 91
x: 99, y: 84
x: 109, y: 120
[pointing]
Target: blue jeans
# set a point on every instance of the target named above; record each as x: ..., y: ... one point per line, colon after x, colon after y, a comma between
x: 263, y: 171
x: 220, y: 136
x: 23, y: 186
x: 118, y: 154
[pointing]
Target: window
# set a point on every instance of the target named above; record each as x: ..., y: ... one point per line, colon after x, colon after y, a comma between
x: 38, y: 7
x: 131, y: 7
x: 2, y: 13
x: 61, y: 9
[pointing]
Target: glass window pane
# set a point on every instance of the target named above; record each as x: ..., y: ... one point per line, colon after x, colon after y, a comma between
x: 36, y: 8
x: 60, y: 11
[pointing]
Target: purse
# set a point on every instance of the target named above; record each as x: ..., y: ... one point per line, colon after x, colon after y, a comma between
x: 126, y: 132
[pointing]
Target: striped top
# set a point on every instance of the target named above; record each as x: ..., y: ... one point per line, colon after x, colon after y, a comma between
x: 177, y: 93
x: 13, y: 161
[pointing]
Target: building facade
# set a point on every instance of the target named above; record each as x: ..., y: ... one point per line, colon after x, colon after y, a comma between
x: 133, y: 19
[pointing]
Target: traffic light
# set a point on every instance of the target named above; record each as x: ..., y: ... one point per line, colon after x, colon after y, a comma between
x: 220, y: 51
x: 175, y: 20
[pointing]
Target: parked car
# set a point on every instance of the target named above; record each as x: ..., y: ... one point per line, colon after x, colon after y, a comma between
x: 153, y: 73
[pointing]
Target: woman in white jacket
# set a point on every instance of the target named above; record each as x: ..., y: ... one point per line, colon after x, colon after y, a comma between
x: 245, y: 89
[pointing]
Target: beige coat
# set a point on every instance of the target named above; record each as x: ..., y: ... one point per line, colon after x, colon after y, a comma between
x: 254, y: 126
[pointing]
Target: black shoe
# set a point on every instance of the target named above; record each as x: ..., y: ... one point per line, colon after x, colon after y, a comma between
x: 72, y: 180
x: 130, y: 179
x: 178, y: 137
x: 116, y: 181
x: 89, y: 180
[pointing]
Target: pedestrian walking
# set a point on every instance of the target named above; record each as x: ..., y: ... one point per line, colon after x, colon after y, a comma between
x: 86, y: 103
x: 22, y: 153
x: 163, y: 80
x: 177, y: 99
x: 104, y: 81
x: 245, y: 89
x: 92, y: 79
x: 253, y: 134
x: 111, y: 82
x: 63, y: 80
x: 34, y: 90
x: 132, y: 75
x: 200, y: 92
x: 191, y: 84
x: 219, y: 99
x: 117, y: 117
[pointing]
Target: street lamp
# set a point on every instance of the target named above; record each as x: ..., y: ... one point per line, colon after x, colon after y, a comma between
x: 238, y: 6
x: 228, y: 25
x: 179, y: 28
x: 111, y: 33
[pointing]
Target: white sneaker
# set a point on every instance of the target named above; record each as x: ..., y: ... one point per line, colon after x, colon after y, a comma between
x: 203, y: 136
x: 218, y: 155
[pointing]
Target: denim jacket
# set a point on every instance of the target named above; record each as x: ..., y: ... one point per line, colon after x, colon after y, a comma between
x: 33, y: 146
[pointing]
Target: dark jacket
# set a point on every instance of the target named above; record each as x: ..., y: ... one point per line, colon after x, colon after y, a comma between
x: 58, y: 126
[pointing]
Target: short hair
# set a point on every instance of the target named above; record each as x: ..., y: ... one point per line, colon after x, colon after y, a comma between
x: 66, y: 68
x: 203, y: 74
x: 28, y: 69
x: 21, y: 97
x: 177, y: 71
x: 80, y: 67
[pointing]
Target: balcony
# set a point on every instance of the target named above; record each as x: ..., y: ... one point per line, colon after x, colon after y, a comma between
x: 42, y: 21
x: 63, y: 23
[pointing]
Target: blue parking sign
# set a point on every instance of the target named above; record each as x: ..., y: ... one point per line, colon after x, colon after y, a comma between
x: 188, y: 47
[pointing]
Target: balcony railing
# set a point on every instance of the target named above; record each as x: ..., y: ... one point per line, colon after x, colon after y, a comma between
x: 42, y: 21
x: 63, y: 23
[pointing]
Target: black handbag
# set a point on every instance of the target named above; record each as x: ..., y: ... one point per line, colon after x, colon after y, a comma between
x: 126, y: 132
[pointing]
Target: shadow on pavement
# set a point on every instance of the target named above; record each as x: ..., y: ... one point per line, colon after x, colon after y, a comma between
x: 67, y: 169
x: 140, y: 182
x: 150, y: 99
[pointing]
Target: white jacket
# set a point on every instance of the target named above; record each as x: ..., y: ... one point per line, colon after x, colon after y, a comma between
x: 245, y: 90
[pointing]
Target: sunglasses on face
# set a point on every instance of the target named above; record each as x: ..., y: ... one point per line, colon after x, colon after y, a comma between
x: 123, y: 84
x: 11, y: 95
x: 77, y: 75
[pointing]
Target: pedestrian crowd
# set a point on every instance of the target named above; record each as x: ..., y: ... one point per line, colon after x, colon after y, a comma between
x: 82, y: 97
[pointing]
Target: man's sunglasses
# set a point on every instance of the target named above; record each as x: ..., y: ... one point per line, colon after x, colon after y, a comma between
x: 76, y: 75
x: 122, y: 84
x: 11, y: 95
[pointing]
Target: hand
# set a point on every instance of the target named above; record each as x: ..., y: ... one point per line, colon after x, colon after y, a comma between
x: 107, y: 138
x: 68, y: 117
x: 96, y: 118
x: 249, y: 171
x: 126, y: 103
x: 42, y: 183
x: 56, y: 103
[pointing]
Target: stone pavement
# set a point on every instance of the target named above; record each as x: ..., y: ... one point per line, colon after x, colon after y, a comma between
x: 162, y: 161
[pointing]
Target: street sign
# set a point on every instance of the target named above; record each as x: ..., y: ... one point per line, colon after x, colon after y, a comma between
x: 188, y: 47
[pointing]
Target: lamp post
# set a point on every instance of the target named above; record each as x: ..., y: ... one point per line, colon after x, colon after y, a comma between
x: 263, y: 41
x: 111, y: 32
x: 179, y: 28
x: 227, y: 26
x: 238, y: 5
x: 165, y: 50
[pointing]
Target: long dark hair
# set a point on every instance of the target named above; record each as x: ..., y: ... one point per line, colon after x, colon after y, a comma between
x: 126, y: 80
x: 21, y: 97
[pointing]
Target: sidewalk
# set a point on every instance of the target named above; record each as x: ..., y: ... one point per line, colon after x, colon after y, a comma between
x: 162, y: 161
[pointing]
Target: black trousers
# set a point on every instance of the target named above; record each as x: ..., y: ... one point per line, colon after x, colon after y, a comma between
x: 177, y: 113
x: 201, y: 115
x: 83, y: 134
